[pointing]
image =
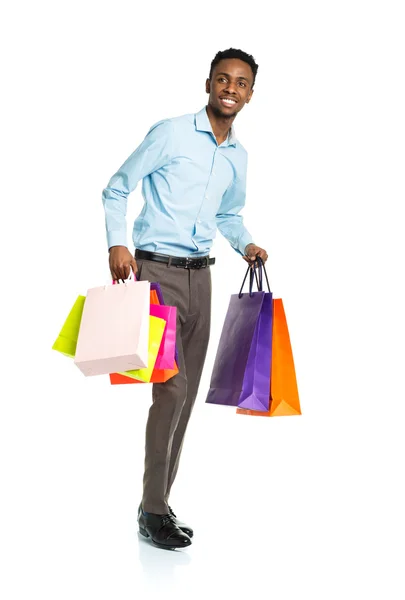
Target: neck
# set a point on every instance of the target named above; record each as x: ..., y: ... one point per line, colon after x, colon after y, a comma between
x: 219, y: 123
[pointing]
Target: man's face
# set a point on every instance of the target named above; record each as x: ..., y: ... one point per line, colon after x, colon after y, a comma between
x: 230, y: 86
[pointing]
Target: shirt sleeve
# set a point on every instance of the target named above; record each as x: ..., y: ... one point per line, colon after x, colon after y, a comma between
x: 154, y: 152
x: 228, y: 219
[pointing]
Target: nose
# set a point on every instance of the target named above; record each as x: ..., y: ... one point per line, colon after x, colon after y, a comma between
x: 231, y: 88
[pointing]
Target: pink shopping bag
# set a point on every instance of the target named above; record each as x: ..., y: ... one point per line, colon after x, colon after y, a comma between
x: 165, y: 358
x: 114, y: 330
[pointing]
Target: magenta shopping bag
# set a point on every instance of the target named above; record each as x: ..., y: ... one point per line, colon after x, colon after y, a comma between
x: 242, y: 367
x: 165, y: 358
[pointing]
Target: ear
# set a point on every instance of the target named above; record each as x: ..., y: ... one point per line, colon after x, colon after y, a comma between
x: 249, y: 97
x: 208, y: 86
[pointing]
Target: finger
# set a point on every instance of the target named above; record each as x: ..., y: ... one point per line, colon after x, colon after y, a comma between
x: 249, y: 260
x: 117, y: 274
x: 120, y: 272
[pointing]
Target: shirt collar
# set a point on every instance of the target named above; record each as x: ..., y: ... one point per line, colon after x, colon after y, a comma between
x: 202, y: 123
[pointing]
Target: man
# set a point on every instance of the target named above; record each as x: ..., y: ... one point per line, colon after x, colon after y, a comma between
x: 194, y: 181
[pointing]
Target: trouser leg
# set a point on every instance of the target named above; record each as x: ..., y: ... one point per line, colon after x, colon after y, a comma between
x: 190, y: 292
x: 195, y: 338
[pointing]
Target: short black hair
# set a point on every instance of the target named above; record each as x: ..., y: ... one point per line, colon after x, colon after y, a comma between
x: 235, y: 53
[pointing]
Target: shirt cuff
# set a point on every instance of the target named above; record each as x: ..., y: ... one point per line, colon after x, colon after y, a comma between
x: 244, y: 240
x: 116, y: 238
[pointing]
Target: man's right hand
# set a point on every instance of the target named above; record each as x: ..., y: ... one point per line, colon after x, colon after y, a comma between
x: 121, y: 261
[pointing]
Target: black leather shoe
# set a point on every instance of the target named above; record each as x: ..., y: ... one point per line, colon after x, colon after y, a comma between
x: 163, y: 531
x: 186, y: 528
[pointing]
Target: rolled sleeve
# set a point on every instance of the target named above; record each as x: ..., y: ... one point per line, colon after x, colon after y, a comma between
x: 154, y: 152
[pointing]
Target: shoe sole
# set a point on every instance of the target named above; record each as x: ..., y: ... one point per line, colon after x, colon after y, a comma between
x: 162, y: 546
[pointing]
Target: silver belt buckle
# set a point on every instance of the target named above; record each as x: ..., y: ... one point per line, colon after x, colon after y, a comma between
x: 199, y: 263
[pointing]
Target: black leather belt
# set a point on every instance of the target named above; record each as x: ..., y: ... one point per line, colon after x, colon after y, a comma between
x: 177, y: 261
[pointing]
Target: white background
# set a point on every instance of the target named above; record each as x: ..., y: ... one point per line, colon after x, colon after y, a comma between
x: 284, y: 508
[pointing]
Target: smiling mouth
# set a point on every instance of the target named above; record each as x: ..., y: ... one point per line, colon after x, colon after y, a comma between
x: 228, y: 102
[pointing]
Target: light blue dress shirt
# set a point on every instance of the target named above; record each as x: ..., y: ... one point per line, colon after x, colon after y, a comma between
x: 191, y: 186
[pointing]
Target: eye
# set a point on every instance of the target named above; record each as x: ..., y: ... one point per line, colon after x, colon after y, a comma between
x: 222, y: 79
x: 242, y: 83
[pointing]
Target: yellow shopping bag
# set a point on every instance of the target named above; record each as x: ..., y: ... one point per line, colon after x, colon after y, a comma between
x: 66, y: 341
x: 156, y: 330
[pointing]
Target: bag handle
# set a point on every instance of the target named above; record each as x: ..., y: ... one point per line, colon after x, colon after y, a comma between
x: 253, y: 274
x: 261, y: 269
x: 132, y: 277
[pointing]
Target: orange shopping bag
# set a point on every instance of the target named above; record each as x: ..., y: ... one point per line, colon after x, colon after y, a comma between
x: 154, y: 297
x: 284, y: 399
x: 158, y: 376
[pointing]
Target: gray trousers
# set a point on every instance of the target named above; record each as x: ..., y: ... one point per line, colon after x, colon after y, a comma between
x: 190, y: 291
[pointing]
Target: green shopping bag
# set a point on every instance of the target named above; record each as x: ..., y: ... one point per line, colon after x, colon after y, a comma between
x: 66, y: 341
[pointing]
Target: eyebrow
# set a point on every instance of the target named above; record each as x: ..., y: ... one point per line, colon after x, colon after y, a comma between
x: 227, y: 74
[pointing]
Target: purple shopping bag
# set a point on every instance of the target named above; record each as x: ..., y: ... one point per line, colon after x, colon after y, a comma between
x: 165, y: 358
x: 242, y: 367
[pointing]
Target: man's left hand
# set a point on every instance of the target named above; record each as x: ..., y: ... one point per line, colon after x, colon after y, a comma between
x: 252, y: 252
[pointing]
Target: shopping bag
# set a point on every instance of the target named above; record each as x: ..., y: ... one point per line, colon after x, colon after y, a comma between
x: 155, y: 287
x: 66, y: 341
x: 165, y: 357
x: 156, y: 297
x: 114, y: 330
x: 241, y: 372
x: 284, y: 398
x: 153, y: 297
x: 156, y: 329
x: 158, y: 376
x: 167, y: 351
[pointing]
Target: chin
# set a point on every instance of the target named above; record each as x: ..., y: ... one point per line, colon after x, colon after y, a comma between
x: 223, y: 113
